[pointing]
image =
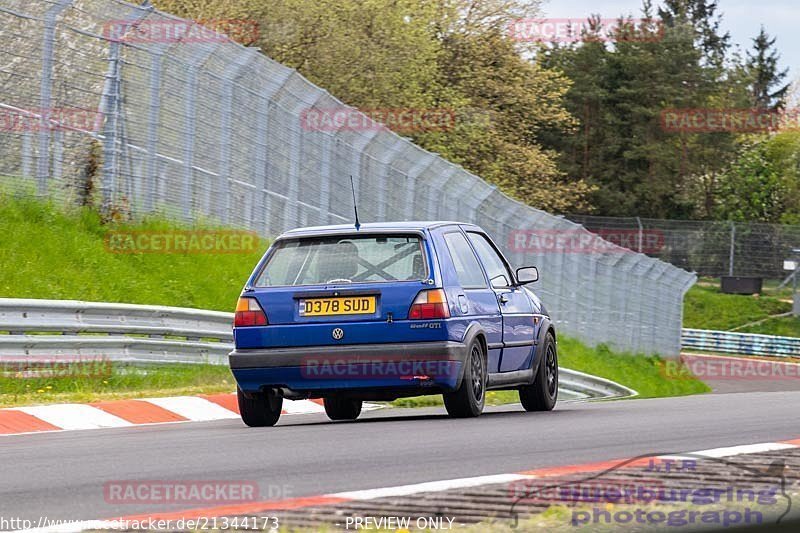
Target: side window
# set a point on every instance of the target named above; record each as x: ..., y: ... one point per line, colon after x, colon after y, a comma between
x: 495, y: 268
x: 468, y: 270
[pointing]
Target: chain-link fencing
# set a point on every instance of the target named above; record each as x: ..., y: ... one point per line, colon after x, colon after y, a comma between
x: 100, y: 101
x: 709, y: 248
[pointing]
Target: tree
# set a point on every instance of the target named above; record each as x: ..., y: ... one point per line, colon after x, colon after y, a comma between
x: 762, y: 67
x: 453, y: 54
x: 763, y: 183
x: 674, y: 61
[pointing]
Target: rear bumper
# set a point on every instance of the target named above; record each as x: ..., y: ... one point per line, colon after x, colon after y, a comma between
x: 427, y: 366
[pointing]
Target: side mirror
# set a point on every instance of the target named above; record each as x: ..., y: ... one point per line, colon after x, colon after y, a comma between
x: 527, y: 275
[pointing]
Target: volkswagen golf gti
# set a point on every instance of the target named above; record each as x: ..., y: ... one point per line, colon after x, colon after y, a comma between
x: 388, y: 310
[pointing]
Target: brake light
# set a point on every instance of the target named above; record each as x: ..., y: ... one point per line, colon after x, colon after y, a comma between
x: 249, y: 313
x: 428, y: 305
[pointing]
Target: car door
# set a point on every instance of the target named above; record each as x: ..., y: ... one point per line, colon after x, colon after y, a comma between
x: 468, y: 286
x: 515, y: 306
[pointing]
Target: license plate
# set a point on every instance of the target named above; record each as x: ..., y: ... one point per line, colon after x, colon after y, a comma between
x: 353, y: 305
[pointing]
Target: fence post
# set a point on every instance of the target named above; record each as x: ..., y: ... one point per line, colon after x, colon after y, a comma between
x: 733, y: 249
x: 641, y: 232
x: 325, y: 180
x: 425, y: 160
x: 110, y: 108
x: 232, y: 73
x: 27, y: 157
x: 190, y: 110
x: 156, y: 64
x: 46, y: 94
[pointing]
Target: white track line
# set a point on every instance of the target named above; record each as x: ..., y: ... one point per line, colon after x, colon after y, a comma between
x: 730, y: 451
x: 437, y: 486
x: 193, y: 408
x: 75, y: 416
x: 431, y: 486
x: 301, y: 407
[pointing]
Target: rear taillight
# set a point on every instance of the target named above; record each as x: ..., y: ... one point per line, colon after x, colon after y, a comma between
x: 249, y: 313
x: 429, y: 305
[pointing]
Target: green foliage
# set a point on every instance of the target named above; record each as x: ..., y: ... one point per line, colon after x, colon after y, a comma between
x: 49, y: 253
x: 619, y: 94
x: 706, y: 307
x: 767, y: 88
x: 645, y: 374
x: 448, y: 54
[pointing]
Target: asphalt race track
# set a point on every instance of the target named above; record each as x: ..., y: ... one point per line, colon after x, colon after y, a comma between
x: 62, y: 475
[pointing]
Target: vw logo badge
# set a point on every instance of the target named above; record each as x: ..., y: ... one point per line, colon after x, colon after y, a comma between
x: 338, y: 334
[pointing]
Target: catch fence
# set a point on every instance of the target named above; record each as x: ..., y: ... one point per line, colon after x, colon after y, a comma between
x: 95, y: 108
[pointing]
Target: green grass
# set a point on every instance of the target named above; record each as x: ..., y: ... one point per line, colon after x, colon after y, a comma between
x: 95, y: 381
x: 52, y: 254
x: 706, y: 307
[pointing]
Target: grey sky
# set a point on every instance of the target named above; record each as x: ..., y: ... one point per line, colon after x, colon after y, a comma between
x: 742, y: 18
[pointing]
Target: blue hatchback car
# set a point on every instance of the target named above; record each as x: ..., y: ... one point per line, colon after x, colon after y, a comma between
x: 390, y: 310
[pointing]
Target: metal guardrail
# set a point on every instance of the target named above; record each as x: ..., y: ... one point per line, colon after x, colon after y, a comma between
x: 118, y: 332
x: 156, y: 334
x: 740, y: 343
x: 588, y: 387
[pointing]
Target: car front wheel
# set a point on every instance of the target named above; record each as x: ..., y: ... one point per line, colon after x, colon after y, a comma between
x: 542, y: 394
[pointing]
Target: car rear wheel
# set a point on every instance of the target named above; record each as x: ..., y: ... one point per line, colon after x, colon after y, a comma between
x: 469, y: 399
x: 260, y: 409
x: 342, y: 408
x: 543, y: 393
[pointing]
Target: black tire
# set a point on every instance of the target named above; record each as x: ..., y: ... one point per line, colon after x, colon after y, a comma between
x: 469, y: 399
x: 261, y: 409
x: 342, y: 408
x: 542, y: 394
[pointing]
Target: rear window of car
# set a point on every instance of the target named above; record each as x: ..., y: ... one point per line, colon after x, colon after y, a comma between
x: 345, y: 259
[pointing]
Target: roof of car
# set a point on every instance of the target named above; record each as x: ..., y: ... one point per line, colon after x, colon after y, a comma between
x: 372, y: 227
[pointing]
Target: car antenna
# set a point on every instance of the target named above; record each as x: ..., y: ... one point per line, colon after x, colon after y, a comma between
x: 355, y: 205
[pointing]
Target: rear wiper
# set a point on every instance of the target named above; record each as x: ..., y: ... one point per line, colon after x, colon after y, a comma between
x: 338, y: 280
